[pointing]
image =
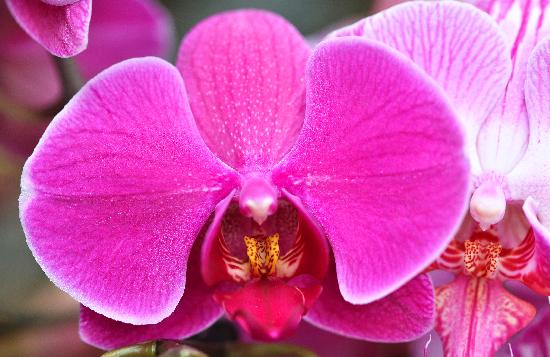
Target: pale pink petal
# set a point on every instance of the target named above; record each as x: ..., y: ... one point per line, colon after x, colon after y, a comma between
x: 472, y: 66
x: 62, y: 30
x: 403, y: 315
x: 475, y: 316
x: 117, y: 33
x: 28, y: 76
x: 531, y: 177
x: 508, y: 130
x: 513, y: 227
x: 195, y: 312
x: 117, y: 190
x: 379, y: 164
x: 245, y: 74
x: 536, y: 249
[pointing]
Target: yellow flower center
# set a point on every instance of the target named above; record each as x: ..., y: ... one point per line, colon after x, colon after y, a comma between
x: 263, y: 255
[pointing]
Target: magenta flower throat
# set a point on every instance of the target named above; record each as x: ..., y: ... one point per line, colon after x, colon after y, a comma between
x: 322, y: 170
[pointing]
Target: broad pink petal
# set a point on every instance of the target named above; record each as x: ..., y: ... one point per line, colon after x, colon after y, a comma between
x: 531, y: 178
x: 379, y: 164
x: 28, y: 75
x: 62, y: 30
x: 508, y: 130
x: 195, y: 312
x: 117, y: 33
x: 117, y: 190
x: 475, y: 316
x: 402, y: 316
x: 245, y: 74
x: 473, y: 66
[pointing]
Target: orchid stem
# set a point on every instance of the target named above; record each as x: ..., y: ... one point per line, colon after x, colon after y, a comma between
x: 167, y: 348
x: 71, y: 79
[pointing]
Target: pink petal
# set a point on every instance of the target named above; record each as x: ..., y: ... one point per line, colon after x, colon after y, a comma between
x: 403, y: 315
x: 28, y: 75
x: 472, y: 66
x: 62, y: 30
x: 245, y: 74
x: 117, y: 190
x: 476, y: 316
x: 117, y: 34
x: 531, y: 178
x: 536, y: 249
x: 533, y: 340
x: 508, y: 130
x: 195, y: 312
x: 379, y: 164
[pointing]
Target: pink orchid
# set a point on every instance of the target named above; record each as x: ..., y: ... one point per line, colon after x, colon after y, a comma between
x: 497, y: 78
x: 358, y: 149
x: 30, y: 84
x: 60, y: 26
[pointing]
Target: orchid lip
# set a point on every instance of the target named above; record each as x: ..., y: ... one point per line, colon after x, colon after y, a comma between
x: 265, y: 276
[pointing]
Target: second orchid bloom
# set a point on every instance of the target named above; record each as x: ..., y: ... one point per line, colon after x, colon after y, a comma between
x: 500, y: 86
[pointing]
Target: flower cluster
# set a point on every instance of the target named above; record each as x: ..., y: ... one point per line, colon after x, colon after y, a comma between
x: 271, y: 182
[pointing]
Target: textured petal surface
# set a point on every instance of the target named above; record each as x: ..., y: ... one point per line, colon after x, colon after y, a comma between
x: 195, y: 312
x: 531, y: 178
x: 507, y: 132
x: 475, y: 316
x: 117, y: 34
x: 472, y: 66
x: 28, y: 75
x: 117, y: 190
x: 62, y: 30
x: 244, y: 71
x: 402, y: 316
x: 379, y: 164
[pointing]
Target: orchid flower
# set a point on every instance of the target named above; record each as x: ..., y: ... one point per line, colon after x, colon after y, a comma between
x: 60, y: 26
x: 353, y: 150
x: 497, y: 79
x: 30, y: 83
